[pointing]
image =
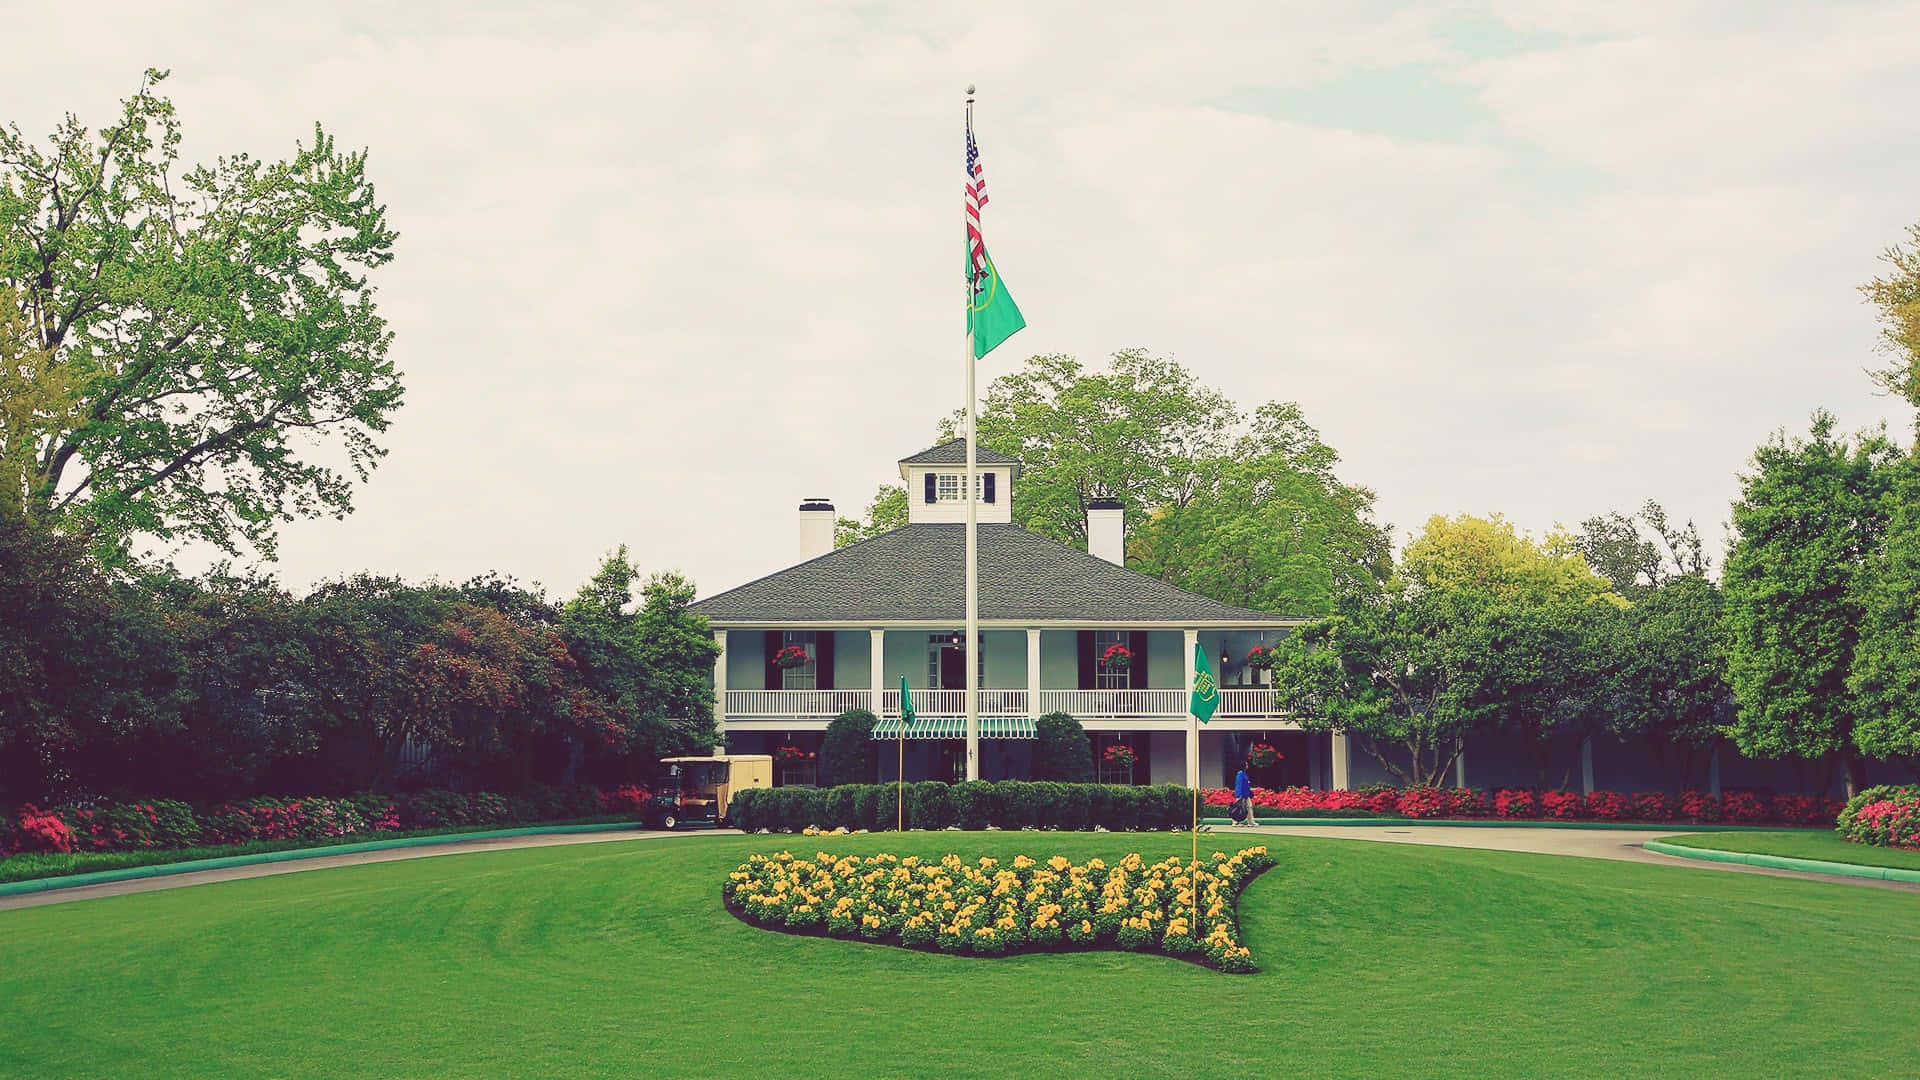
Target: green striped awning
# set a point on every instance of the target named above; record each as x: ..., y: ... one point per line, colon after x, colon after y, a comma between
x: 955, y: 727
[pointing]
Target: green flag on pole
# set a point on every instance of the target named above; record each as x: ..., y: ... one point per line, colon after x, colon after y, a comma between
x: 992, y: 317
x: 1206, y: 692
x: 906, y: 704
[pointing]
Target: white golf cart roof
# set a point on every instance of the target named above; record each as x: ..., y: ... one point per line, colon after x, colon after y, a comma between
x: 715, y: 759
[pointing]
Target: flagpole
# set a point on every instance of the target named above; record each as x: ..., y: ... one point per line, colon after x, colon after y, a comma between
x: 973, y: 532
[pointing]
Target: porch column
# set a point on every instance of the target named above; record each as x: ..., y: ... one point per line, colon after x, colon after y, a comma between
x: 1342, y: 762
x: 877, y: 640
x: 720, y: 684
x: 1033, y: 674
x: 1460, y: 766
x: 1586, y: 766
x: 1193, y: 723
x: 1713, y: 773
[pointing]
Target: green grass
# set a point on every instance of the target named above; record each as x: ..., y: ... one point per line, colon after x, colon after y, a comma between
x: 30, y: 866
x: 617, y: 959
x: 1803, y: 844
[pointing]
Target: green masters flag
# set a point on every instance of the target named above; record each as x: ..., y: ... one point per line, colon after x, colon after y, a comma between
x: 992, y: 317
x: 1206, y: 692
x: 906, y: 705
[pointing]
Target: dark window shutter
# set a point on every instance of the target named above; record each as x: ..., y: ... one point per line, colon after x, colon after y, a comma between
x: 1087, y: 681
x: 823, y: 660
x: 773, y: 669
x: 986, y: 487
x: 933, y: 491
x: 1137, y: 645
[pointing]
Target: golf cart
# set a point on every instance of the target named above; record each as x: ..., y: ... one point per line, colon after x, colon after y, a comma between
x: 696, y: 790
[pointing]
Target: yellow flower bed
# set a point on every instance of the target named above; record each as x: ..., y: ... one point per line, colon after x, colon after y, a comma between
x: 985, y: 908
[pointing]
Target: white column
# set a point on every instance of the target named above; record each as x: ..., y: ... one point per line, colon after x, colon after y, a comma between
x: 1033, y: 673
x: 1460, y: 766
x: 1192, y: 642
x: 1586, y: 766
x: 878, y: 676
x: 720, y: 683
x: 1713, y: 773
x: 1342, y: 762
x: 1313, y: 764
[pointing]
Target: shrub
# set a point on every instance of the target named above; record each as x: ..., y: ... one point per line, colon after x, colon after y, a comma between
x: 1608, y: 806
x: 1653, y: 806
x: 35, y: 829
x: 1742, y: 808
x: 1062, y: 751
x: 846, y: 750
x: 1885, y: 816
x: 1424, y: 802
x: 1515, y: 803
x: 486, y: 808
x: 873, y: 807
x: 1466, y: 802
x: 1699, y: 807
x: 1559, y: 805
x: 1805, y: 809
x: 972, y: 804
x: 627, y: 799
x: 928, y: 805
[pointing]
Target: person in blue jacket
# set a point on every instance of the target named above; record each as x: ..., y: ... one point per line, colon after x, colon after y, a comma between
x: 1243, y: 791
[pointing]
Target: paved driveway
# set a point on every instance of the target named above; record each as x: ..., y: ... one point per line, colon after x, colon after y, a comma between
x: 1621, y: 844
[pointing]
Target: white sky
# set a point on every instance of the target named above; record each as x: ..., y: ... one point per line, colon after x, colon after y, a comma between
x: 664, y: 270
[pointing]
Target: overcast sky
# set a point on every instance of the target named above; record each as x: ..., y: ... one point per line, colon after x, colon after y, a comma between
x: 664, y: 270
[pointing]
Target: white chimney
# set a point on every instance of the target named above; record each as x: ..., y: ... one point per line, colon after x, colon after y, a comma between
x: 816, y: 528
x: 1107, y: 531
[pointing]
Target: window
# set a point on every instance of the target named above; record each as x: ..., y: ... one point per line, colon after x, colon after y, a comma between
x: 937, y: 645
x: 807, y: 675
x: 1104, y: 679
x: 949, y: 486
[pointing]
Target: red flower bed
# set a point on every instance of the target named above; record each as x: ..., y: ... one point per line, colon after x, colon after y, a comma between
x: 1742, y: 808
x: 1523, y: 804
x: 1699, y: 807
x: 1515, y: 803
x: 35, y: 829
x: 1607, y: 806
x: 626, y: 799
x: 1559, y: 805
x: 1652, y: 806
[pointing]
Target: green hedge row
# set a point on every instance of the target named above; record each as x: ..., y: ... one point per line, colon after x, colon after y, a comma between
x: 978, y: 804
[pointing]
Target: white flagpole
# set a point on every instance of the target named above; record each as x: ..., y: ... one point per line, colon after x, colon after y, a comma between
x: 973, y: 530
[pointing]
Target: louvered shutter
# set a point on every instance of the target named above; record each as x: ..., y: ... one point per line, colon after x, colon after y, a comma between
x: 933, y: 488
x: 823, y: 660
x: 1137, y: 645
x: 773, y: 669
x: 986, y: 487
x: 1087, y: 681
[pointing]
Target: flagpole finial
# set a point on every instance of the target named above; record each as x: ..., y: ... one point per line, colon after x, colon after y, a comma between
x: 969, y: 89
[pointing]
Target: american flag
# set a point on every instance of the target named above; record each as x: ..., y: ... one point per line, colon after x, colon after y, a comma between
x: 976, y: 198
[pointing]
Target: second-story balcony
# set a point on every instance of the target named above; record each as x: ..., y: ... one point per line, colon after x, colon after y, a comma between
x: 1156, y: 704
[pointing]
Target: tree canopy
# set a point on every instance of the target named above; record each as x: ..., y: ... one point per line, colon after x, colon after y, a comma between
x: 1896, y: 296
x: 190, y: 334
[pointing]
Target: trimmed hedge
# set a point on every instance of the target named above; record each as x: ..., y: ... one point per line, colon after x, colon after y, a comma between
x: 977, y: 804
x: 1739, y: 807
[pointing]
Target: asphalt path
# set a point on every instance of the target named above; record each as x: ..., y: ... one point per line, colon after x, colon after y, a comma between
x: 1619, y: 844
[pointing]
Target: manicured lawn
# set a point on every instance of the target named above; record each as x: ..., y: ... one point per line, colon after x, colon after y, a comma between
x: 1802, y: 844
x: 618, y: 959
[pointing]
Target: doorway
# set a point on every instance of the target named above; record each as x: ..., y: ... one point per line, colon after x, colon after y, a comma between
x: 953, y: 668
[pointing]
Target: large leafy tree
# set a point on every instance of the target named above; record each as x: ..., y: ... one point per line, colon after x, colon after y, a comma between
x: 887, y: 512
x: 1897, y: 297
x: 1885, y: 676
x: 196, y: 331
x: 1670, y: 683
x: 1619, y: 548
x: 1811, y: 515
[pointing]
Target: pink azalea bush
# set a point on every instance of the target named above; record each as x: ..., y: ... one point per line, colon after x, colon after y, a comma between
x: 1524, y: 804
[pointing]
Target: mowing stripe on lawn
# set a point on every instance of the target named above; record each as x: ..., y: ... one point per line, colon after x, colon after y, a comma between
x: 132, y: 873
x: 1492, y: 823
x: 1783, y: 862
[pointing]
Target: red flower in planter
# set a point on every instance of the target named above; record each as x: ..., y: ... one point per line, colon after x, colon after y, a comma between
x: 1262, y: 756
x: 1117, y: 657
x: 792, y: 656
x: 1120, y: 756
x: 1260, y: 657
x: 790, y: 755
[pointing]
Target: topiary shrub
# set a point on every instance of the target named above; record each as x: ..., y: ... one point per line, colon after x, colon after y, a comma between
x: 1061, y: 751
x: 929, y: 805
x: 846, y: 750
x: 873, y: 807
x: 972, y: 804
x: 837, y: 808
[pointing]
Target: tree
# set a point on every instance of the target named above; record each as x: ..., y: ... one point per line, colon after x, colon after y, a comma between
x: 1377, y: 672
x: 1671, y: 680
x: 1882, y: 678
x: 1810, y: 516
x: 846, y: 749
x: 1491, y: 557
x: 676, y: 653
x: 1062, y: 751
x: 1616, y: 547
x: 1133, y: 432
x: 205, y: 324
x: 364, y: 630
x: 1897, y: 296
x: 887, y: 512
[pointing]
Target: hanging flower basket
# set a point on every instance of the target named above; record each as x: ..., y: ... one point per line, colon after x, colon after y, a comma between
x: 792, y: 656
x: 1116, y: 658
x: 1263, y: 756
x: 1260, y: 658
x: 791, y: 755
x: 1120, y: 756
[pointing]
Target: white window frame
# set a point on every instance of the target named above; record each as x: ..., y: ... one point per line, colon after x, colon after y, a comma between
x: 947, y: 487
x: 807, y: 675
x: 938, y: 642
x: 1102, y: 678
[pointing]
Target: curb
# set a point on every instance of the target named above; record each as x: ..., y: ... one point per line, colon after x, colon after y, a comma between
x: 1485, y: 823
x: 134, y: 873
x: 1782, y: 862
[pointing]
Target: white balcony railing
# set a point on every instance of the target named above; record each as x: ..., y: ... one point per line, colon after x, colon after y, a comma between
x: 1247, y: 701
x: 747, y: 704
x: 954, y: 702
x: 1083, y: 704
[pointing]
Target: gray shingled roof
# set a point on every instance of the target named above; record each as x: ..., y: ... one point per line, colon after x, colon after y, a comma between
x: 915, y: 572
x: 954, y: 452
